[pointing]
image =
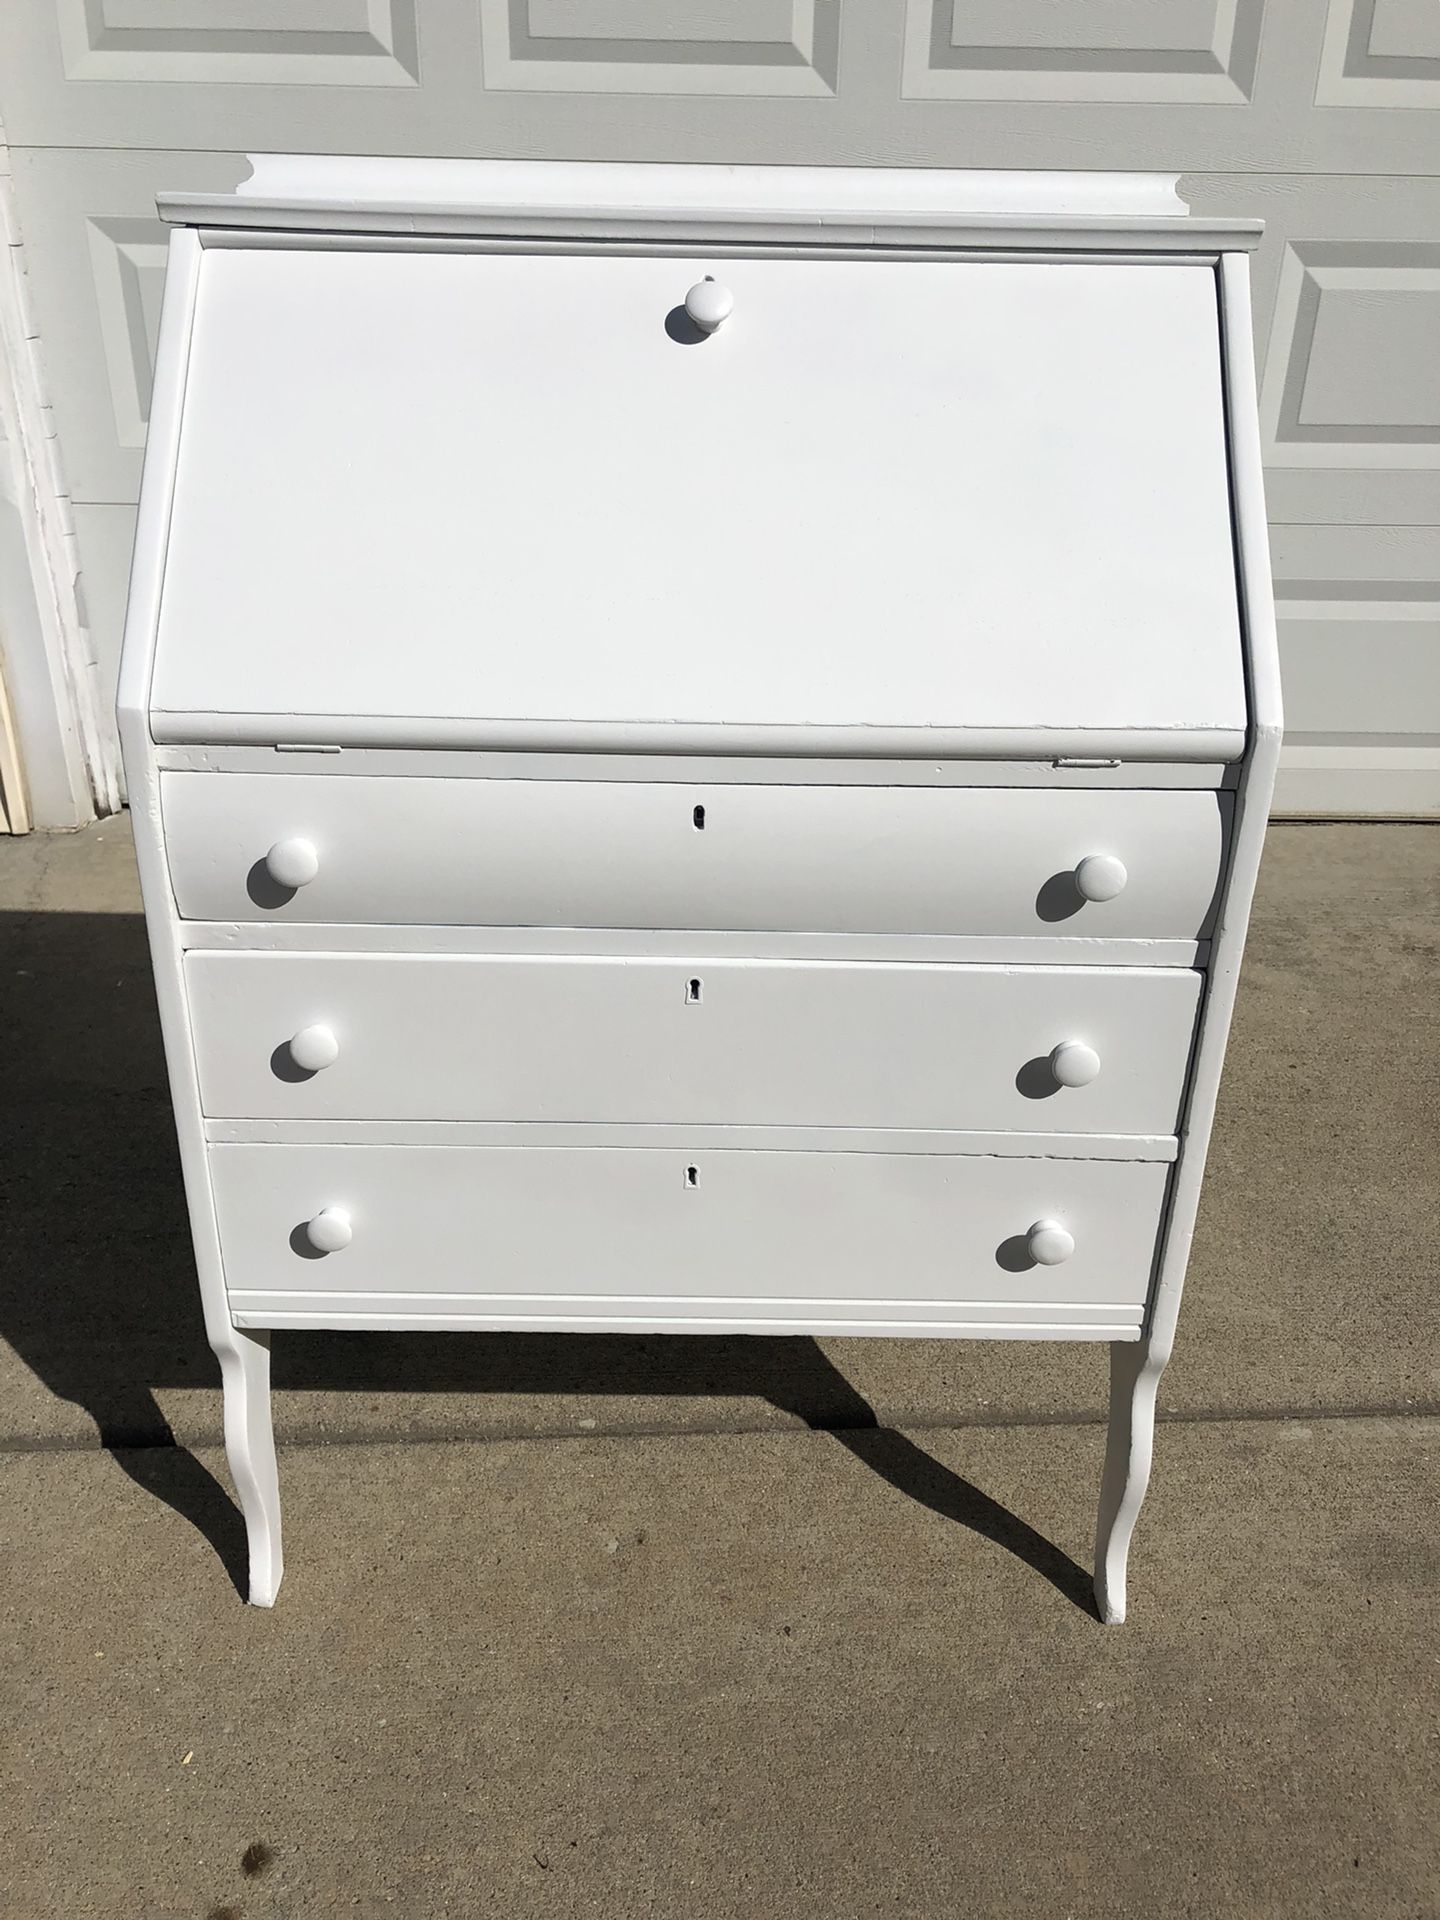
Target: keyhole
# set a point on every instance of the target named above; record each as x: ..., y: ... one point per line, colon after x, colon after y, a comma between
x: 692, y: 1176
x: 692, y: 992
x: 699, y: 818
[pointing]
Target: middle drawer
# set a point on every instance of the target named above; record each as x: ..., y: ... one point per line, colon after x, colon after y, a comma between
x: 704, y: 1042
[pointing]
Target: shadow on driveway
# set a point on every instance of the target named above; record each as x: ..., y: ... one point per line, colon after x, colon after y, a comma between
x: 98, y: 1295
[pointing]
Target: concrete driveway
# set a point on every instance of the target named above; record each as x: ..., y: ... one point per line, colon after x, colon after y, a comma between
x: 626, y: 1627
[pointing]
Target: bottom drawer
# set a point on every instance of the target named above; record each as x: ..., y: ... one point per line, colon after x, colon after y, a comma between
x: 651, y: 1237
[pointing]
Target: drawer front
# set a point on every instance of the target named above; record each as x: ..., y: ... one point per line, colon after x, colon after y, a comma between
x: 723, y: 1234
x: 550, y: 853
x: 713, y: 1042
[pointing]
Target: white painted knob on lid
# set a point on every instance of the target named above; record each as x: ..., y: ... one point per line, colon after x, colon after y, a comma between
x: 1049, y: 1243
x: 1100, y: 876
x: 314, y: 1048
x: 292, y: 863
x: 709, y: 304
x: 1074, y: 1064
x: 330, y: 1230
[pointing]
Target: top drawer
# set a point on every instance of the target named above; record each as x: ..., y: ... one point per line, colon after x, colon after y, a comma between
x: 393, y: 850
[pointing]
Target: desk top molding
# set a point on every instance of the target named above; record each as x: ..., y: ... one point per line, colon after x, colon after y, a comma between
x: 856, y: 206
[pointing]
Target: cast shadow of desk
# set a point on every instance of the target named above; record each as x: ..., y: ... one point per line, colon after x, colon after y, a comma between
x: 98, y: 1294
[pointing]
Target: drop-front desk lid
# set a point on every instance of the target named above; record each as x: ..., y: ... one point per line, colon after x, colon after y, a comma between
x: 497, y: 490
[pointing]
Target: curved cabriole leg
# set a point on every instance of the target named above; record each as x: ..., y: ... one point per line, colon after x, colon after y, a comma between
x: 250, y: 1448
x: 1135, y: 1370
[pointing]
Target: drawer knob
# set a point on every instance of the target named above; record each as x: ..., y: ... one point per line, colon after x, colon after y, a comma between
x: 709, y: 304
x: 1072, y: 1062
x: 330, y: 1230
x: 1049, y: 1243
x: 1100, y: 876
x: 292, y: 863
x: 315, y: 1048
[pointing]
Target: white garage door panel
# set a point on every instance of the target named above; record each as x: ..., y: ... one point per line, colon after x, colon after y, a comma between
x: 1376, y: 673
x: 1236, y: 84
x: 1358, y: 613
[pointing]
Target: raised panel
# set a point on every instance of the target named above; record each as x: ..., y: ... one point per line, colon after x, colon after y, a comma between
x: 1358, y: 611
x: 354, y: 43
x: 662, y: 46
x: 1358, y: 782
x: 1380, y: 53
x: 1361, y: 663
x: 1128, y: 84
x: 94, y: 260
x: 1397, y: 216
x: 1352, y: 377
x: 1197, y: 51
x: 127, y: 259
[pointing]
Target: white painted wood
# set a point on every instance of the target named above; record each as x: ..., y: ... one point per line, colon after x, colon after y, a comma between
x: 1135, y: 1372
x: 506, y: 1314
x: 1135, y: 1376
x: 314, y: 1048
x: 813, y: 770
x: 917, y: 1232
x: 270, y: 936
x: 788, y: 594
x: 353, y: 188
x: 977, y: 243
x: 1100, y: 876
x: 706, y: 1041
x: 1074, y: 1063
x: 1162, y: 1148
x: 330, y: 1231
x: 565, y: 853
x: 836, y: 1142
x: 331, y: 195
x: 391, y: 733
x: 292, y: 863
x: 710, y: 305
x: 1050, y: 1243
x: 244, y: 1355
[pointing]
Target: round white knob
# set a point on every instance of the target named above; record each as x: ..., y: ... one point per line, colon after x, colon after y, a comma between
x: 1100, y: 876
x: 1072, y: 1063
x: 1049, y: 1243
x: 330, y: 1230
x: 314, y: 1048
x: 709, y: 304
x: 292, y: 863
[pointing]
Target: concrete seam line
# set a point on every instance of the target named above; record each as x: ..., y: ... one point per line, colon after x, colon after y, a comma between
x: 1419, y: 1412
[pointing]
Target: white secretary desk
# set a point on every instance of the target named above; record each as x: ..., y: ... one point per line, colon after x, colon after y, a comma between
x: 699, y: 740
